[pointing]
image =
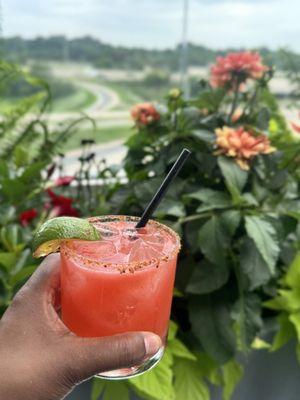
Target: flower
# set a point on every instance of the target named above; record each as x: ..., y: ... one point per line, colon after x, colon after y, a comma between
x: 295, y: 127
x: 234, y: 69
x: 241, y: 145
x: 64, y: 180
x: 175, y: 93
x: 61, y: 205
x: 144, y: 114
x: 27, y: 216
x: 236, y: 115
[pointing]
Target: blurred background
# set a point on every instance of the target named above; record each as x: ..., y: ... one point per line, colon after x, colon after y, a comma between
x: 100, y: 58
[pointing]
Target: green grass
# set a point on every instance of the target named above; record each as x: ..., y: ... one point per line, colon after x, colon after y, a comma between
x: 80, y: 100
x: 100, y: 135
x: 131, y: 93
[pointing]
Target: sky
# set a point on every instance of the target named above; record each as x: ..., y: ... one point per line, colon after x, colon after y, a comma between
x: 158, y: 23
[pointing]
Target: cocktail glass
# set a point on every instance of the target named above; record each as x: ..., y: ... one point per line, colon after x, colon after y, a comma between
x: 121, y: 283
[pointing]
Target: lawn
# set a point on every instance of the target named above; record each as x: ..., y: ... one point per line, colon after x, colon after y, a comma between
x: 100, y: 135
x: 78, y: 101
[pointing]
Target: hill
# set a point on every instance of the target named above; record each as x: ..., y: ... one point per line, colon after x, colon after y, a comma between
x: 103, y: 55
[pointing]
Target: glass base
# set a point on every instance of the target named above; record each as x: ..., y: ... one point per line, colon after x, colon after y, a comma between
x: 125, y: 373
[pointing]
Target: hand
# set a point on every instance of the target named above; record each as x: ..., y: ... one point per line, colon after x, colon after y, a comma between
x: 41, y: 359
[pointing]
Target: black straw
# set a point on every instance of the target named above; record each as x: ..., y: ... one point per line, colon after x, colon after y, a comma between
x: 163, y: 188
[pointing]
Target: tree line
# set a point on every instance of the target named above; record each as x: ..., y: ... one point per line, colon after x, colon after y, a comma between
x: 103, y: 55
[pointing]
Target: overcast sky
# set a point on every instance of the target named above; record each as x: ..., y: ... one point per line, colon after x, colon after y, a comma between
x: 157, y: 23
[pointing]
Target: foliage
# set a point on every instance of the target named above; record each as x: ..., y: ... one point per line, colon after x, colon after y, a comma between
x: 104, y: 55
x: 27, y: 150
x: 239, y: 228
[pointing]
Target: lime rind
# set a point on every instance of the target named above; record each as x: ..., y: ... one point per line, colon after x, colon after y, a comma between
x: 50, y: 235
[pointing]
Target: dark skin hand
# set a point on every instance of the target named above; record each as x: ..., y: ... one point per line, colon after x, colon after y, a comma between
x: 41, y: 359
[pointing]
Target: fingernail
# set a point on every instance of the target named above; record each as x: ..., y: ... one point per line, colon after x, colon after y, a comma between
x: 152, y: 343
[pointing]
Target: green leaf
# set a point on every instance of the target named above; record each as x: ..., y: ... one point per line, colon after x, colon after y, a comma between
x: 259, y: 344
x: 109, y: 389
x: 209, y: 369
x: 116, y: 390
x: 156, y: 384
x: 8, y: 260
x: 292, y: 278
x: 264, y: 236
x: 22, y: 275
x: 212, y: 199
x: 207, y: 277
x: 212, y: 240
x: 235, y: 177
x: 212, y: 325
x: 205, y: 136
x: 232, y: 374
x: 247, y: 316
x: 295, y: 320
x: 98, y: 387
x: 288, y: 300
x: 285, y: 332
x: 254, y: 269
x: 230, y: 221
x: 170, y: 207
x: 189, y: 384
x: 179, y: 350
x: 173, y: 328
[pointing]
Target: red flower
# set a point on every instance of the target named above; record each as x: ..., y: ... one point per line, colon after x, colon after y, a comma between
x: 144, y: 114
x: 242, y: 145
x: 64, y: 180
x: 61, y: 205
x: 234, y: 69
x: 27, y: 216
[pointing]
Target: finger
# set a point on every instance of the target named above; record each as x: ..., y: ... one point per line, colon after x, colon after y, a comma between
x: 46, y: 276
x: 87, y: 357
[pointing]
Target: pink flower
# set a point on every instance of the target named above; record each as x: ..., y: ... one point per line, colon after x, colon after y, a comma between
x: 234, y: 69
x: 242, y: 145
x: 64, y: 180
x: 144, y: 114
x: 27, y: 216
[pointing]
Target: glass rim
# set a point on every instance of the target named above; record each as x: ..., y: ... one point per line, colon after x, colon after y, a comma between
x: 132, y: 266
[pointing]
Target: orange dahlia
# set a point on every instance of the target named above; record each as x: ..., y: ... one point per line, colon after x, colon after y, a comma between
x: 241, y: 144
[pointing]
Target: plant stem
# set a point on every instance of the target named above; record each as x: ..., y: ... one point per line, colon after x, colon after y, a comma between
x: 234, y: 102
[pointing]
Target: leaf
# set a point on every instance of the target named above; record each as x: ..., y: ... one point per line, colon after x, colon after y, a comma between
x: 157, y: 383
x: 212, y: 199
x: 173, y: 328
x: 170, y: 207
x: 207, y: 277
x: 21, y: 261
x: 189, y: 384
x: 259, y: 344
x: 264, y: 236
x: 292, y: 278
x: 22, y: 275
x: 295, y: 320
x: 212, y: 240
x: 116, y: 390
x: 232, y: 374
x: 209, y: 369
x: 254, y: 269
x: 212, y: 325
x: 109, y: 389
x: 235, y: 177
x: 8, y: 260
x: 230, y: 221
x: 247, y: 314
x: 98, y: 387
x: 285, y: 332
x: 179, y: 350
x: 288, y: 300
x: 204, y: 135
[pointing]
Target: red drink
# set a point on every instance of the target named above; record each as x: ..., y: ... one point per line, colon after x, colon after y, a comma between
x: 122, y: 283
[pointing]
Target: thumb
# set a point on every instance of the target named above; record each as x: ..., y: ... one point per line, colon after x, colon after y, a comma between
x: 87, y: 357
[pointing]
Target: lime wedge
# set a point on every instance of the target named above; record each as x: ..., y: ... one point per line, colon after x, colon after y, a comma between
x: 49, y: 236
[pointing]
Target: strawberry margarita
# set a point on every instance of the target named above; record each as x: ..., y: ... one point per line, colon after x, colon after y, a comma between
x: 123, y: 282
